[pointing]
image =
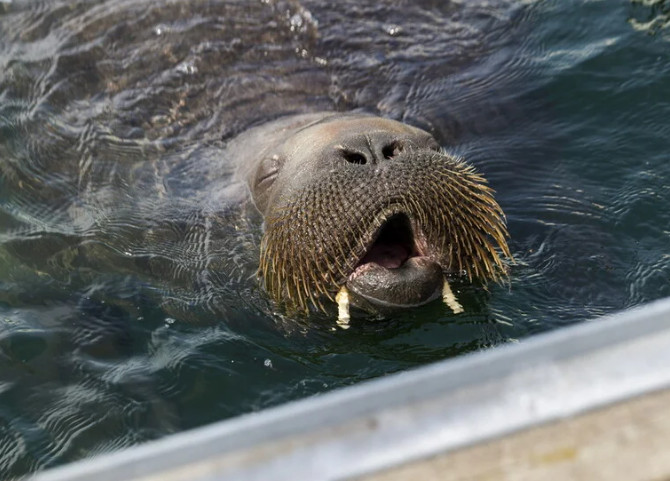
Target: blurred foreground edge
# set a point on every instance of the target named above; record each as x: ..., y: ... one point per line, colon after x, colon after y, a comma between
x: 590, y: 401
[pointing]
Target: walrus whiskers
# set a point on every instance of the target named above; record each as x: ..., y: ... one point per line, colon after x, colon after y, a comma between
x: 447, y: 198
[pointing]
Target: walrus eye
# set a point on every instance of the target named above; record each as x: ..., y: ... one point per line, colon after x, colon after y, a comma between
x: 354, y: 157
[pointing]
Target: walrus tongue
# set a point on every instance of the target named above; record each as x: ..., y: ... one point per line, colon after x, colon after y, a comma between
x: 390, y: 256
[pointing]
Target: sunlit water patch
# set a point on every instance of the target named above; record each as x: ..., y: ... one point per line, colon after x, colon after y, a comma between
x: 129, y: 304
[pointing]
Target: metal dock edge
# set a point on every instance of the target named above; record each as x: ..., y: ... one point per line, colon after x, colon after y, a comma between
x: 577, y: 395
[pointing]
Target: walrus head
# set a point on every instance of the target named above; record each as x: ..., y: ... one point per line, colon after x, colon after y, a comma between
x: 371, y: 204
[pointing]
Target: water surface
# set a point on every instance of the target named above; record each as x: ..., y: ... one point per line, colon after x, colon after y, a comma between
x: 129, y: 308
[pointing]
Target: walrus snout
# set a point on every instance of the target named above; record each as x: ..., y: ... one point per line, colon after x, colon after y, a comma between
x: 372, y: 205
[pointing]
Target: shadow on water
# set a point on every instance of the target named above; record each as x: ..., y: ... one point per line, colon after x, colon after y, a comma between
x: 129, y: 306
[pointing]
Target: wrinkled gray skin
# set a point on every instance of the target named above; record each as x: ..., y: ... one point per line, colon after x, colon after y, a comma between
x: 278, y: 159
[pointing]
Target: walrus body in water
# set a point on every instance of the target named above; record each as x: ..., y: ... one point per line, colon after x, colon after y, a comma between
x: 122, y: 175
x: 368, y: 204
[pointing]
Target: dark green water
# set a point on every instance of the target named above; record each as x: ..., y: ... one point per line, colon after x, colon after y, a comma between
x: 128, y: 303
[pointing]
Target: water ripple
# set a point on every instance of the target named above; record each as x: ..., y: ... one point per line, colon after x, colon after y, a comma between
x: 128, y: 297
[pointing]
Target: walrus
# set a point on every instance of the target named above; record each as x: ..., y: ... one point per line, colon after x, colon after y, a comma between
x: 127, y: 173
x: 369, y: 204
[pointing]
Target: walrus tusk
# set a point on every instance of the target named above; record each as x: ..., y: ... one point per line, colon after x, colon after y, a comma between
x: 342, y: 299
x: 450, y: 299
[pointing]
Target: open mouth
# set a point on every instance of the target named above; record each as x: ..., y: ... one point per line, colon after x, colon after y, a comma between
x: 392, y: 247
x: 394, y: 272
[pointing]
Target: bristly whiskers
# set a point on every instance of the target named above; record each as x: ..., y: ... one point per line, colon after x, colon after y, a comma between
x: 315, y: 238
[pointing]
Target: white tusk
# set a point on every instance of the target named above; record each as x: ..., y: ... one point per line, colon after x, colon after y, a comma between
x: 342, y: 299
x: 450, y: 299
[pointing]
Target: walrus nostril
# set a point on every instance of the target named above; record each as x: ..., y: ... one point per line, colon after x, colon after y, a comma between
x: 354, y: 157
x: 391, y: 150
